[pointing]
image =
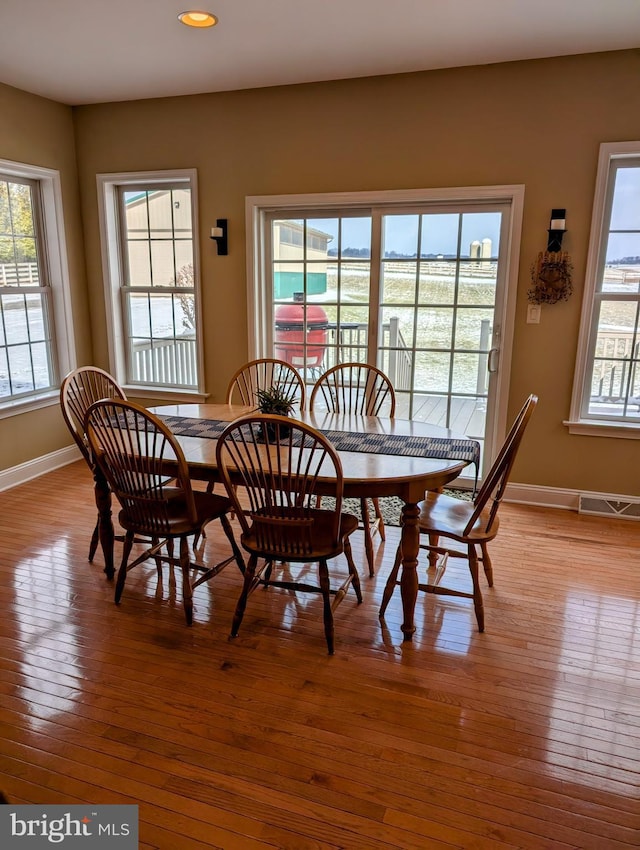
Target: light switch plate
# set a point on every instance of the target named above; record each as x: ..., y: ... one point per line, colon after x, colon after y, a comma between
x: 533, y: 314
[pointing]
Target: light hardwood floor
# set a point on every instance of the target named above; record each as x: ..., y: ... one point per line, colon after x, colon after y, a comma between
x: 526, y: 736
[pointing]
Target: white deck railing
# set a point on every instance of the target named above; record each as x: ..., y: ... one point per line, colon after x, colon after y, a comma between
x: 165, y: 361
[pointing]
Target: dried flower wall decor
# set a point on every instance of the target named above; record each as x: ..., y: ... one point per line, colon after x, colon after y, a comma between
x: 551, y: 278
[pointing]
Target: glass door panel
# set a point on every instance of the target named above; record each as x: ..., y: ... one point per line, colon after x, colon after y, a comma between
x: 438, y: 285
x: 413, y: 292
x: 321, y: 286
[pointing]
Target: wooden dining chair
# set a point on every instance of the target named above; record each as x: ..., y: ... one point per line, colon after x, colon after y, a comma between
x: 365, y: 390
x: 279, y: 464
x: 262, y: 374
x: 78, y: 391
x: 473, y: 524
x: 137, y: 452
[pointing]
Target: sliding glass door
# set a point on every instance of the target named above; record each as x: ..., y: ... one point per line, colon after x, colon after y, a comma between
x: 418, y: 291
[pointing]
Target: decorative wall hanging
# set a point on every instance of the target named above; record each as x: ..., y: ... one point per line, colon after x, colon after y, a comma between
x: 551, y: 272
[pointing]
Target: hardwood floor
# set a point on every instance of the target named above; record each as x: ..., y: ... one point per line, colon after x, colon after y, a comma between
x: 526, y: 736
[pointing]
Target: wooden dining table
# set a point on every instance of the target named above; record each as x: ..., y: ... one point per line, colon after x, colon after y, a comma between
x: 367, y: 473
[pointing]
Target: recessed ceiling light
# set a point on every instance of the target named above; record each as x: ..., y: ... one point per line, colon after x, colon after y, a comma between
x: 197, y: 19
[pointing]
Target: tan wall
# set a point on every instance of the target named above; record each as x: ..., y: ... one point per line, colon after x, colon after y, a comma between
x: 539, y: 123
x: 40, y: 132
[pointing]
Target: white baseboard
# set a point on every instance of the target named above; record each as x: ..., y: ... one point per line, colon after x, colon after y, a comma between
x: 38, y: 466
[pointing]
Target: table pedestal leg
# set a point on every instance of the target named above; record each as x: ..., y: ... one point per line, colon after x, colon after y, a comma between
x: 410, y: 543
x: 102, y: 494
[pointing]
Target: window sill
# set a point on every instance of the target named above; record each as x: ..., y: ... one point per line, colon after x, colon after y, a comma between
x: 26, y: 405
x: 605, y: 428
x: 162, y: 393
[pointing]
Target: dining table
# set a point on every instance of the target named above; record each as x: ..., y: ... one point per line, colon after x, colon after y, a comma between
x: 380, y: 457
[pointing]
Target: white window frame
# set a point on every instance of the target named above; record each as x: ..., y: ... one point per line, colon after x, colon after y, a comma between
x: 579, y: 422
x: 259, y: 299
x: 112, y: 267
x: 54, y: 252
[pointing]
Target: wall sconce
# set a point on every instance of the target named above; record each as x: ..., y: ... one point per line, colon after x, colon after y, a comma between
x: 556, y: 230
x: 219, y: 236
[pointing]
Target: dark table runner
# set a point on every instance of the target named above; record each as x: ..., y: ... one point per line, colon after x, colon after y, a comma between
x: 348, y: 441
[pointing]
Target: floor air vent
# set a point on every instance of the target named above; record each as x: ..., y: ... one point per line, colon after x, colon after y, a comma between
x: 623, y: 508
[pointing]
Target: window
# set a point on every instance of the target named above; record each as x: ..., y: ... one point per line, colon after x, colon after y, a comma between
x: 607, y: 387
x: 152, y: 280
x: 36, y: 345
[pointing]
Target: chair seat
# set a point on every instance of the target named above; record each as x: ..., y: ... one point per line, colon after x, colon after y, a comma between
x: 445, y: 515
x: 323, y: 544
x: 209, y: 506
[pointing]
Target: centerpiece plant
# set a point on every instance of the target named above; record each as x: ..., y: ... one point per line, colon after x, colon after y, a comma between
x: 275, y: 400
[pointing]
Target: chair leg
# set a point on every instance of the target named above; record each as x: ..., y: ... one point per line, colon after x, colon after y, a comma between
x: 353, y: 572
x: 380, y: 519
x: 434, y: 540
x: 478, y: 604
x: 323, y: 574
x: 122, y: 572
x: 368, y: 542
x: 242, y: 601
x: 95, y: 538
x: 486, y: 564
x: 187, y: 593
x: 237, y: 554
x: 157, y: 558
x: 391, y: 583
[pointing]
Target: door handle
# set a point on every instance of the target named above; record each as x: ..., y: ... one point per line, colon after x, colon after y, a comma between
x: 492, y: 361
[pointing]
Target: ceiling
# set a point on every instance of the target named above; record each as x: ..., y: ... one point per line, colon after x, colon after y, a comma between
x: 94, y: 51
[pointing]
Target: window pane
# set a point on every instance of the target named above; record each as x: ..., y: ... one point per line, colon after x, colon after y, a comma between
x: 139, y: 316
x: 21, y: 209
x: 139, y: 263
x: 432, y: 372
x: 473, y: 329
x: 288, y: 240
x: 162, y: 264
x: 400, y: 236
x: 467, y: 374
x: 621, y: 279
x: 182, y: 213
x: 615, y: 368
x: 437, y: 282
x: 36, y: 318
x: 435, y: 327
x: 625, y: 211
x: 15, y: 318
x: 398, y: 282
x: 480, y: 235
x: 136, y: 215
x: 160, y: 214
x: 398, y: 322
x: 40, y: 357
x: 355, y: 279
x: 355, y: 238
x: 623, y: 248
x: 20, y: 368
x: 478, y: 282
x: 440, y: 235
x: 321, y: 233
x: 184, y: 261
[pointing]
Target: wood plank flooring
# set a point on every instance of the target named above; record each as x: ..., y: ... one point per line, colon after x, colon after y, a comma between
x: 526, y: 736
